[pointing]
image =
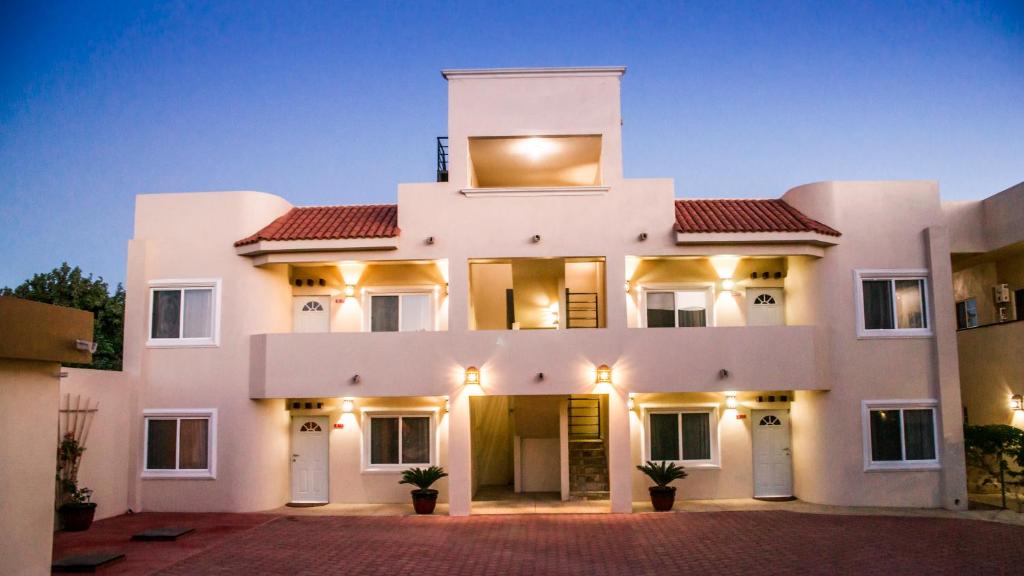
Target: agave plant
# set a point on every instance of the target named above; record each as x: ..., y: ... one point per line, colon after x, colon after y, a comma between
x: 422, y: 478
x: 662, y: 473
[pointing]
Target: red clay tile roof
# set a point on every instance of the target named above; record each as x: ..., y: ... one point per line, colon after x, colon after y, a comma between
x: 743, y: 215
x: 331, y: 223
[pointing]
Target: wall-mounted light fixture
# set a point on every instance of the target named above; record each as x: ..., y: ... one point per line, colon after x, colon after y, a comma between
x: 604, y: 375
x: 730, y: 402
x: 627, y: 286
x: 728, y: 284
x: 346, y: 406
x: 472, y: 376
x: 350, y: 290
x: 631, y: 404
x: 356, y: 379
x: 447, y: 405
x: 1017, y: 403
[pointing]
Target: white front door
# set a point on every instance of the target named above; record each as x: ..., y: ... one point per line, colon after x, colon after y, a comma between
x: 773, y: 467
x: 311, y: 314
x: 309, y: 458
x: 765, y: 307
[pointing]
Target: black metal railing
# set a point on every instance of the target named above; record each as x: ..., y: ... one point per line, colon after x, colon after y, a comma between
x: 581, y: 309
x: 442, y: 158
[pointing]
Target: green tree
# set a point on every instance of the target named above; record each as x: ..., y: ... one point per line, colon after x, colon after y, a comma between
x: 998, y: 450
x: 67, y: 286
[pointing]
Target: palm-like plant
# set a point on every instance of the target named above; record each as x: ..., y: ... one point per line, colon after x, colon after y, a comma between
x: 663, y: 473
x: 422, y: 478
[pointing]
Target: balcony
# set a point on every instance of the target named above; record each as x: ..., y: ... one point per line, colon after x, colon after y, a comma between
x: 433, y: 363
x: 536, y: 293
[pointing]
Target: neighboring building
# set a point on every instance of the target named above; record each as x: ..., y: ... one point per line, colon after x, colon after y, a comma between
x: 775, y: 347
x: 35, y: 338
x: 988, y: 286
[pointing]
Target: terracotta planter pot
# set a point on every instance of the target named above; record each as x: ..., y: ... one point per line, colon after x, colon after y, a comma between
x: 77, y: 517
x: 424, y: 501
x: 662, y: 497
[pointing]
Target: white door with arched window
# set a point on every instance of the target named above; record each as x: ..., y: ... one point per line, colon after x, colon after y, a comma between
x: 309, y: 459
x: 311, y: 314
x: 765, y: 307
x: 773, y: 458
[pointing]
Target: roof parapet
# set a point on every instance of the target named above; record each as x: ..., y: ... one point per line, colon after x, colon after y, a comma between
x: 450, y: 73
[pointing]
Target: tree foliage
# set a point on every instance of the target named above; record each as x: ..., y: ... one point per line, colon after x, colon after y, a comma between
x: 998, y: 449
x: 67, y: 286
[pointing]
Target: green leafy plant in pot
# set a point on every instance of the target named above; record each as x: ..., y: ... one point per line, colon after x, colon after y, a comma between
x: 74, y: 508
x: 424, y: 498
x: 662, y: 474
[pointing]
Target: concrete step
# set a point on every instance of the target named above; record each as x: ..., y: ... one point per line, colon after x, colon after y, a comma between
x: 590, y: 495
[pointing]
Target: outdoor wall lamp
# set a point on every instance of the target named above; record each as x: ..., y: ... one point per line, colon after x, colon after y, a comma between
x: 1017, y: 403
x: 631, y: 404
x: 730, y: 402
x: 728, y: 284
x: 350, y: 290
x: 472, y: 376
x: 604, y: 375
x: 447, y: 405
x: 627, y: 286
x: 346, y: 406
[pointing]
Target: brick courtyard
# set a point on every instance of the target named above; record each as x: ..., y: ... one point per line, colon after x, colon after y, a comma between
x: 721, y: 543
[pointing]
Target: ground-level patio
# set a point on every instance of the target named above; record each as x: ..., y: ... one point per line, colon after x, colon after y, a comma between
x: 720, y: 537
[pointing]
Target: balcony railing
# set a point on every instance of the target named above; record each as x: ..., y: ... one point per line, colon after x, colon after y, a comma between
x: 442, y: 158
x: 432, y: 363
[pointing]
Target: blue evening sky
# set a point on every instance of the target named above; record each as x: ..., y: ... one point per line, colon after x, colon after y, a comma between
x: 332, y: 103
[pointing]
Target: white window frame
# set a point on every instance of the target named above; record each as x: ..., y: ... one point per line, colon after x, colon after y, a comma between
x: 184, y: 284
x: 370, y: 413
x: 210, y: 473
x: 860, y: 275
x: 713, y: 463
x: 868, y: 406
x: 370, y: 291
x: 707, y: 287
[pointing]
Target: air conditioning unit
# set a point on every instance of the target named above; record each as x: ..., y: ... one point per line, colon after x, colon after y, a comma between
x: 1001, y: 293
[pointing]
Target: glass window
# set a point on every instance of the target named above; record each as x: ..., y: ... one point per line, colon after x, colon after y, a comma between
x: 680, y: 308
x: 664, y: 437
x: 400, y: 440
x: 182, y: 314
x: 661, y: 308
x: 178, y: 443
x: 384, y: 441
x: 405, y: 312
x: 902, y: 435
x: 680, y: 436
x: 384, y: 313
x: 966, y: 314
x: 894, y: 303
x: 877, y: 305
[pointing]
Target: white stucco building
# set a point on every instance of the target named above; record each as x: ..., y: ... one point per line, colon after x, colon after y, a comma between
x: 796, y: 346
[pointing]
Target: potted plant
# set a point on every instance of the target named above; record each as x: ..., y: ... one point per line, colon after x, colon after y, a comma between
x: 73, y: 503
x: 663, y: 496
x: 77, y: 512
x: 423, y: 497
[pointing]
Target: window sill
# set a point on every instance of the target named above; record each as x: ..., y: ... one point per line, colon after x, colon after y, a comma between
x: 893, y: 334
x: 902, y: 466
x: 180, y: 343
x: 178, y: 475
x: 394, y: 469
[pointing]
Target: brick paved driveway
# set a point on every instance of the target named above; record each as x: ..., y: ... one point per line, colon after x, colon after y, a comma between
x: 720, y: 543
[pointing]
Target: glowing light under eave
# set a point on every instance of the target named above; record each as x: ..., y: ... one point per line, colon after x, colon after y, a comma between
x: 724, y: 266
x: 535, y: 148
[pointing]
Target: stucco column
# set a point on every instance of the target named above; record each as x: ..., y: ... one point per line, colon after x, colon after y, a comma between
x: 460, y: 454
x: 947, y: 369
x: 620, y: 472
x: 615, y: 296
x: 458, y: 294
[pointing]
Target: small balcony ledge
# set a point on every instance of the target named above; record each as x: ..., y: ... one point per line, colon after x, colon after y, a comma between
x: 534, y: 191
